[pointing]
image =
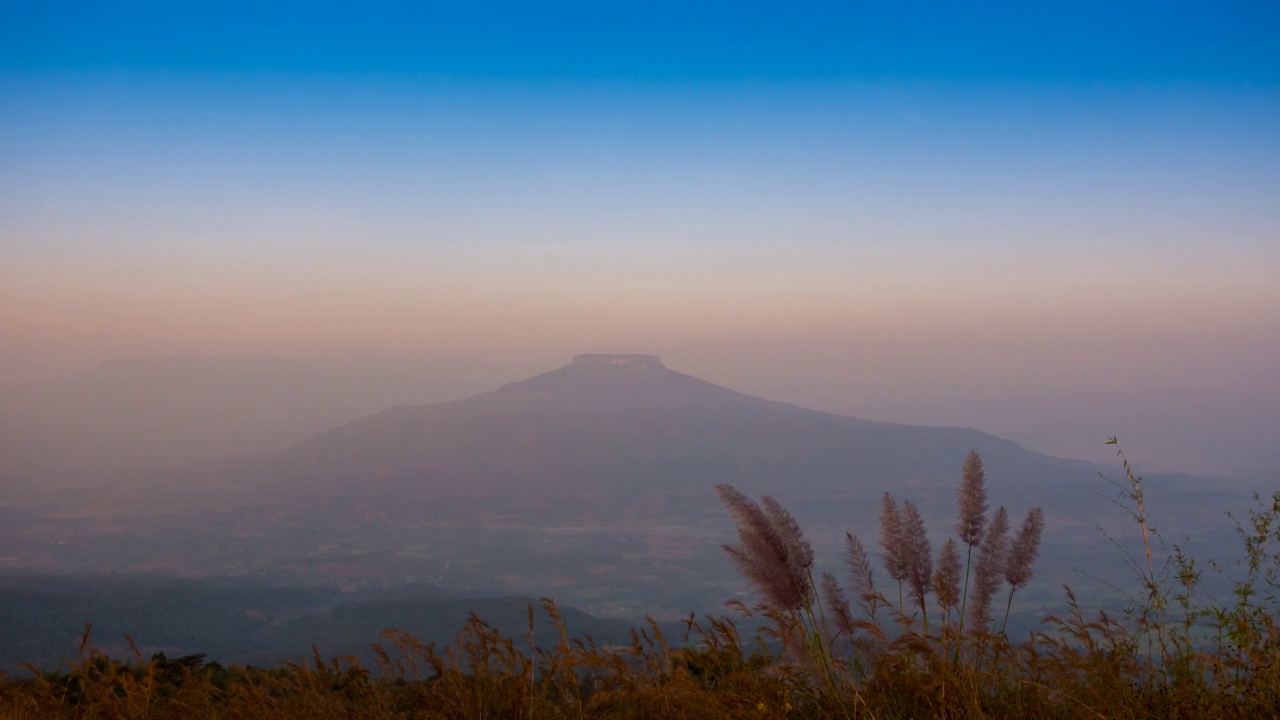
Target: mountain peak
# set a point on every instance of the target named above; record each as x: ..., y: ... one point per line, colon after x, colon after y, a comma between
x: 606, y: 381
x: 603, y: 369
x: 637, y: 362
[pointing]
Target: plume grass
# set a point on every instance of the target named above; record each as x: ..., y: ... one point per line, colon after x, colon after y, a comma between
x: 1171, y: 657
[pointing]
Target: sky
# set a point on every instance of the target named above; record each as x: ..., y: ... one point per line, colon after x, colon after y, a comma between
x: 1055, y: 222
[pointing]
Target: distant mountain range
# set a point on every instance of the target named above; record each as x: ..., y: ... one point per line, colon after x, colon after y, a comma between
x: 141, y: 419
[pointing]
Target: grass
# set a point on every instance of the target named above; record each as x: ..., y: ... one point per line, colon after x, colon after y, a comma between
x: 807, y: 655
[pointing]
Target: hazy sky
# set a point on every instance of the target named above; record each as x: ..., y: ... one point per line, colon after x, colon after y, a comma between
x: 1041, y: 219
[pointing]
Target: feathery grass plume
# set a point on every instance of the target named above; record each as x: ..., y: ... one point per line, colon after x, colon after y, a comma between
x: 917, y: 555
x: 762, y: 554
x: 799, y: 551
x: 838, y: 603
x: 776, y: 558
x: 891, y: 543
x: 1023, y: 551
x: 946, y: 582
x: 800, y: 567
x: 971, y: 498
x: 989, y: 572
x: 864, y: 585
x: 1022, y: 555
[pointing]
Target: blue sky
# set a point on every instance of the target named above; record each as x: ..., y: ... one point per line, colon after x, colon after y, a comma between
x: 1000, y: 214
x: 1079, y: 41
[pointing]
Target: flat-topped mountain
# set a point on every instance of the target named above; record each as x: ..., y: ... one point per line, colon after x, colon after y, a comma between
x: 593, y: 482
x: 627, y: 429
x: 609, y: 382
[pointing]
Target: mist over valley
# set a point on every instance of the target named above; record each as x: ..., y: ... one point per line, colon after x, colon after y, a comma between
x: 592, y: 483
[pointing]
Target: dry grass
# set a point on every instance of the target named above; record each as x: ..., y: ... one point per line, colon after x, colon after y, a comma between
x: 1169, y: 658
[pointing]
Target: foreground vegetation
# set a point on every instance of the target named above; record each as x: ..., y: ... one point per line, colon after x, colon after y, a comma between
x: 932, y: 645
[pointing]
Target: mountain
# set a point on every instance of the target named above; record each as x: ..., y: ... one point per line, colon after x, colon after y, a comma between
x: 624, y: 430
x: 592, y: 483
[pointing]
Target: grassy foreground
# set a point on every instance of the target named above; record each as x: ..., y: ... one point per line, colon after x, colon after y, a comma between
x: 807, y: 656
